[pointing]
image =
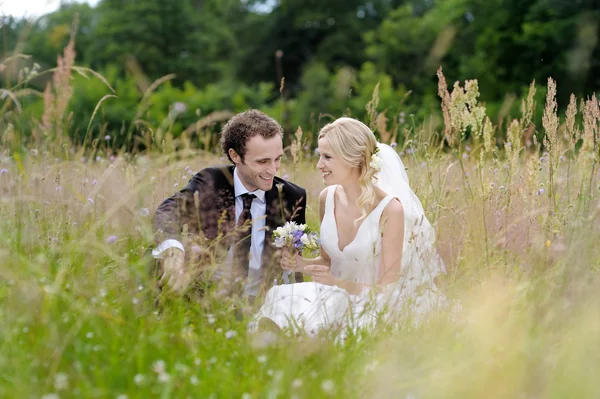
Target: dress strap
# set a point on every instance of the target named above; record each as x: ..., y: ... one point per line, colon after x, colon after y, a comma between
x: 329, y: 201
x: 378, y: 211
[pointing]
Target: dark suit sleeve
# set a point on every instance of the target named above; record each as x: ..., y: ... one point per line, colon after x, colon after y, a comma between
x: 180, y: 209
x: 300, y: 216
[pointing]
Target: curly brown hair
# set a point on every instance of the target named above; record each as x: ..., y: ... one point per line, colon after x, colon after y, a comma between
x: 242, y: 127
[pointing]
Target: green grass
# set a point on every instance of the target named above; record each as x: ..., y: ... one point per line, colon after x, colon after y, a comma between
x: 80, y: 316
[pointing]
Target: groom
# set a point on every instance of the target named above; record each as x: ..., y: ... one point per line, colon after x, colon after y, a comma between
x: 226, y: 215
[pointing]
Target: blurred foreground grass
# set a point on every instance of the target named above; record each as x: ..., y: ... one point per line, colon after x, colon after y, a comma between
x: 79, y: 318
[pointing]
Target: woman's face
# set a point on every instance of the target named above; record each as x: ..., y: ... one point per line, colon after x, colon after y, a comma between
x: 334, y: 170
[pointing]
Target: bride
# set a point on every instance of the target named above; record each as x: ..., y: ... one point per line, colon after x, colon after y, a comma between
x: 377, y: 260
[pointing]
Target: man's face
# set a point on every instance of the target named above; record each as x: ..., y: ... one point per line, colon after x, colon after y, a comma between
x: 261, y: 163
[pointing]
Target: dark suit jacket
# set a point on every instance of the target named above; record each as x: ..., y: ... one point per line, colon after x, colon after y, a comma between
x: 204, y: 212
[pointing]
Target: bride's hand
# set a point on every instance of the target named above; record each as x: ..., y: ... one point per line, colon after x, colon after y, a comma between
x: 321, y: 274
x: 291, y: 261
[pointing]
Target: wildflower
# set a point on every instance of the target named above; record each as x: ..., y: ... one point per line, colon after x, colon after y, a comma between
x: 122, y: 396
x: 51, y: 396
x: 376, y: 162
x: 91, y: 201
x: 197, y: 361
x: 111, y: 239
x: 3, y: 171
x: 179, y: 107
x: 246, y: 395
x: 138, y: 379
x: 94, y: 182
x: 328, y: 387
x: 144, y: 211
x: 210, y: 318
x: 158, y: 366
x: 286, y: 177
x: 297, y: 383
x: 540, y: 191
x: 196, y: 249
x: 262, y: 359
x: 140, y: 287
x: 230, y: 334
x: 61, y: 381
x: 58, y: 188
x: 135, y: 301
x: 394, y: 145
x: 181, y: 368
x: 89, y: 335
x: 194, y: 380
x: 107, y: 137
x: 548, y: 243
x: 164, y: 378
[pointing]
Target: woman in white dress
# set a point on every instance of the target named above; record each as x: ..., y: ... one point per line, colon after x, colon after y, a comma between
x: 377, y: 259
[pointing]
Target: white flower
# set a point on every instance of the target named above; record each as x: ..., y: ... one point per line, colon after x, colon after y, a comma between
x: 297, y: 383
x: 328, y: 387
x: 61, y: 381
x: 164, y: 377
x: 158, y: 366
x: 376, y: 162
x: 305, y: 239
x: 138, y: 379
x: 230, y: 334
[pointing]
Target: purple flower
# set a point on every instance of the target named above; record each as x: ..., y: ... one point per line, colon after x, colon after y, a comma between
x: 3, y: 171
x: 196, y: 249
x: 107, y: 137
x: 91, y: 201
x: 286, y: 176
x: 111, y: 239
x: 94, y: 182
x: 540, y: 191
x: 394, y: 145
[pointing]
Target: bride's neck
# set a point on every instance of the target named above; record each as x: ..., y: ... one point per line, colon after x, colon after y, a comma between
x: 352, y: 191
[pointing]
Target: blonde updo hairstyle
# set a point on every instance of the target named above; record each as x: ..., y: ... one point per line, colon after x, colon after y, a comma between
x: 355, y: 144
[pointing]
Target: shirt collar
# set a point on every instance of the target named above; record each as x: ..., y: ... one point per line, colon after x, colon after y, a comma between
x: 240, y: 189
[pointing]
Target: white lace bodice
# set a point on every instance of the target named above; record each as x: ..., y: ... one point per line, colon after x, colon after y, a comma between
x: 359, y: 260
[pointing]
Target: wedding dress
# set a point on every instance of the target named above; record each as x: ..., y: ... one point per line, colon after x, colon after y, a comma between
x: 310, y: 307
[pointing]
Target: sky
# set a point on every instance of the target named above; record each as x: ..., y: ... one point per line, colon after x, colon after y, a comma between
x: 32, y: 8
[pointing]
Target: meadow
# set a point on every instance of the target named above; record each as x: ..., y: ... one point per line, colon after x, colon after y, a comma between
x: 515, y: 207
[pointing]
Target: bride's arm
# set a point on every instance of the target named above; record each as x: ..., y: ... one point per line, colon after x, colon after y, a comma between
x: 323, y: 259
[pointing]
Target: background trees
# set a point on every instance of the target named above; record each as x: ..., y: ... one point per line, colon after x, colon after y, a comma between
x: 233, y: 54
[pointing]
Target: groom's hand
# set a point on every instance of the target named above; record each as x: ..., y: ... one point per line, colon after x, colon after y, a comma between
x: 174, y: 274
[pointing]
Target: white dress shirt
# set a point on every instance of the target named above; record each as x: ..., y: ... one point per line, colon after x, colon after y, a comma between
x: 258, y: 210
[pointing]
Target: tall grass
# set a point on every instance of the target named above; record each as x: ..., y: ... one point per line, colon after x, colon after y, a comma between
x: 518, y: 220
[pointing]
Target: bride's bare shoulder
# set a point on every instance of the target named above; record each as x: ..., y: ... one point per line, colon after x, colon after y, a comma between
x: 394, y: 210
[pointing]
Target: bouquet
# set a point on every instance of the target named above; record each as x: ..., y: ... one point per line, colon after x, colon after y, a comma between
x: 296, y: 236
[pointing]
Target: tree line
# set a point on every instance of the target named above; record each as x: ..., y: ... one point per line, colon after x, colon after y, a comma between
x: 303, y: 61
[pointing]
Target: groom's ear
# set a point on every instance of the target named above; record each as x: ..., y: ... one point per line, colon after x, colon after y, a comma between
x: 235, y: 157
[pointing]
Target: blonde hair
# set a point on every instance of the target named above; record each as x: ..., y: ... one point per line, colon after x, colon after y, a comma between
x: 355, y: 143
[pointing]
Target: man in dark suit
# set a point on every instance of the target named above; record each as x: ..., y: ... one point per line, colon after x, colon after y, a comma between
x: 225, y: 215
